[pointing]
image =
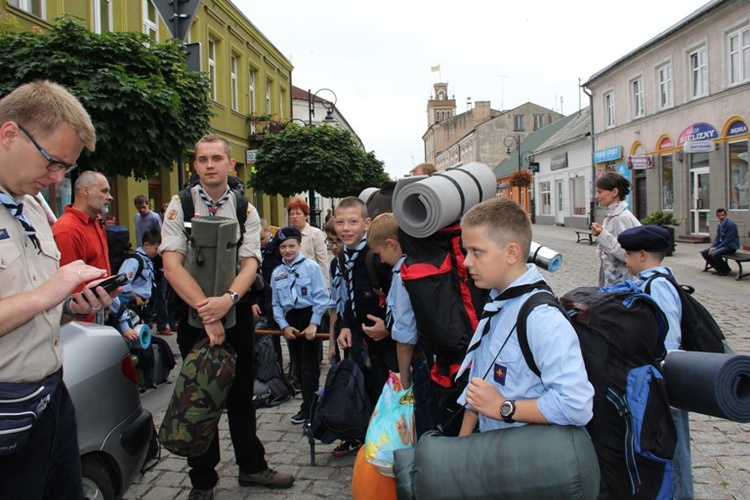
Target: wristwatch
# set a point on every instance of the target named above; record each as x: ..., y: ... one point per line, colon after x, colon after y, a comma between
x: 507, y: 410
x: 234, y: 296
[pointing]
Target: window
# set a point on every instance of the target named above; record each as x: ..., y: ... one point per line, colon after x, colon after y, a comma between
x: 251, y: 89
x: 636, y: 87
x: 699, y: 73
x: 739, y: 56
x: 738, y: 176
x: 282, y: 101
x: 441, y: 95
x: 449, y: 115
x: 578, y: 189
x: 212, y: 68
x: 35, y: 7
x: 233, y: 83
x: 538, y: 121
x: 102, y: 16
x: 518, y: 123
x: 268, y: 96
x: 546, y: 197
x: 667, y: 183
x: 609, y: 110
x: 150, y: 21
x: 666, y: 86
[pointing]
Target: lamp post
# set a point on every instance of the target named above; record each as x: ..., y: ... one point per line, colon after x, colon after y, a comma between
x: 513, y: 141
x: 328, y: 105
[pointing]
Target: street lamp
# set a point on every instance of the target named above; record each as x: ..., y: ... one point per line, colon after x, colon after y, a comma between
x: 329, y: 105
x: 326, y: 104
x: 513, y: 141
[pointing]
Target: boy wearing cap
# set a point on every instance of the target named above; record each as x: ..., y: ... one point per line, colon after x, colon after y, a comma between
x: 300, y: 299
x: 645, y: 248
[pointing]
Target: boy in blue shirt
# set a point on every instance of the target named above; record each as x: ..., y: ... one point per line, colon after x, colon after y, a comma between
x: 503, y: 392
x: 645, y: 248
x: 300, y: 299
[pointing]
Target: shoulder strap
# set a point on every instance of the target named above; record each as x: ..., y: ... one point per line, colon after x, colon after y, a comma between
x: 372, y: 273
x: 241, y: 202
x: 342, y: 262
x: 531, y: 303
x: 141, y: 264
x: 188, y: 209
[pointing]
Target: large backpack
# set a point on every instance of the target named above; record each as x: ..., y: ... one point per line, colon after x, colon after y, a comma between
x: 268, y: 371
x: 442, y: 294
x: 343, y: 410
x: 621, y: 331
x: 238, y: 191
x: 118, y: 242
x: 699, y: 329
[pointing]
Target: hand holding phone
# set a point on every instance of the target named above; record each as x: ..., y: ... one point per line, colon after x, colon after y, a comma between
x: 110, y: 283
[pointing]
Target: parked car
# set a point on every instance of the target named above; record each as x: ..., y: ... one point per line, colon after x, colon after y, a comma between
x: 114, y: 431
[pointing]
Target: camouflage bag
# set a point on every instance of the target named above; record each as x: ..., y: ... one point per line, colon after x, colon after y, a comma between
x: 200, y: 394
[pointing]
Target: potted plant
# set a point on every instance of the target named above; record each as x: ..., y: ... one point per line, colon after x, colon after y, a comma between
x: 520, y: 178
x: 665, y: 220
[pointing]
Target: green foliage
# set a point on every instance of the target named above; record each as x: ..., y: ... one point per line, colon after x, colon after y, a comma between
x: 146, y: 107
x: 660, y: 218
x: 324, y: 159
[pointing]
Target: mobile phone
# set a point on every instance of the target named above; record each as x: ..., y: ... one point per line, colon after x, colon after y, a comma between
x: 110, y: 283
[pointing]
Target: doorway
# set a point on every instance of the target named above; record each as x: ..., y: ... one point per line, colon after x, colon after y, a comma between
x: 641, y: 209
x: 560, y: 203
x: 700, y: 192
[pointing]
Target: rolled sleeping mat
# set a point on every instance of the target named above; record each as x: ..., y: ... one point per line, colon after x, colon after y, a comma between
x: 431, y: 203
x: 544, y: 257
x: 144, y: 337
x: 709, y: 383
x: 542, y: 462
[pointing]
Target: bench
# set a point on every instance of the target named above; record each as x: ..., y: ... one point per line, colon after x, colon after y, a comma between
x: 739, y: 258
x: 584, y: 235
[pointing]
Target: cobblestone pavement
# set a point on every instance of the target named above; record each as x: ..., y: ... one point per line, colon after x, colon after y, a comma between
x: 721, y: 449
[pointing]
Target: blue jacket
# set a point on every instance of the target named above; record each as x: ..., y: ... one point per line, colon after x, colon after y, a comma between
x: 727, y: 235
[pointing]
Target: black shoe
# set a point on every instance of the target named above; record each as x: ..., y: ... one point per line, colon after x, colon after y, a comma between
x: 196, y: 494
x: 299, y: 418
x: 346, y: 448
x: 269, y: 478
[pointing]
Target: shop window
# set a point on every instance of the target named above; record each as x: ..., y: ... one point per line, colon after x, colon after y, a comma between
x: 738, y: 176
x: 667, y: 183
x: 578, y: 189
x: 546, y: 197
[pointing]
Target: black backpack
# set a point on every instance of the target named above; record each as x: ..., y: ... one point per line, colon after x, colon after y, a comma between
x: 621, y: 331
x: 237, y: 189
x: 442, y: 294
x: 268, y: 371
x: 699, y: 329
x: 118, y: 242
x: 343, y: 410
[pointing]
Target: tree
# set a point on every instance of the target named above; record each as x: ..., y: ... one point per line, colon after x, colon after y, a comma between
x: 324, y: 159
x: 146, y: 106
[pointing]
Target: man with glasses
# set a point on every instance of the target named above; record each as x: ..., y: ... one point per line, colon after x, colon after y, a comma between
x: 35, y: 296
x: 79, y: 232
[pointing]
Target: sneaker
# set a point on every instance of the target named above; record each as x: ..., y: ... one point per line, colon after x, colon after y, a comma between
x: 346, y: 448
x: 299, y: 418
x: 268, y: 477
x: 196, y: 494
x: 165, y: 331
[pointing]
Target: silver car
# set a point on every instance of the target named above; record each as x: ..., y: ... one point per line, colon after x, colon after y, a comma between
x: 114, y: 431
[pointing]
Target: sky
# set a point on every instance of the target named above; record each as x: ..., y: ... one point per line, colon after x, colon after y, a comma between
x: 377, y: 56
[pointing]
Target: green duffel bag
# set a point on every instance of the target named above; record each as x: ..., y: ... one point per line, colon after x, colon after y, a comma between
x: 200, y: 394
x: 539, y: 462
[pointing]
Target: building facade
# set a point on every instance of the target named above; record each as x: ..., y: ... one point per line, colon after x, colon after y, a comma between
x: 672, y: 117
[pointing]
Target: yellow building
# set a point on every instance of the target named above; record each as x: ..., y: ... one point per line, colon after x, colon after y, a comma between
x: 247, y: 72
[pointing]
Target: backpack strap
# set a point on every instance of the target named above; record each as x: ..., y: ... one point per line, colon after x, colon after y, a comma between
x: 240, y: 202
x: 141, y: 264
x: 372, y: 273
x: 544, y: 296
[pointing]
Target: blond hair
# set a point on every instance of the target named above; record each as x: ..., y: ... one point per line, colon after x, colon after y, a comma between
x: 215, y: 138
x: 423, y: 169
x: 353, y: 202
x: 383, y: 227
x: 503, y: 220
x: 42, y: 106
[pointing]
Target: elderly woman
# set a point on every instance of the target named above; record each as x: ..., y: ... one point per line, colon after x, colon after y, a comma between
x: 611, y: 191
x: 313, y: 239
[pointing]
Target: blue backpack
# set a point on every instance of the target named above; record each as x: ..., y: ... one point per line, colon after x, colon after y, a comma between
x: 621, y: 331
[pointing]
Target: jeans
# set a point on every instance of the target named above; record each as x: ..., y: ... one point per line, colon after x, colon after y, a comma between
x: 49, y: 466
x: 682, y: 462
x: 715, y: 258
x: 248, y: 450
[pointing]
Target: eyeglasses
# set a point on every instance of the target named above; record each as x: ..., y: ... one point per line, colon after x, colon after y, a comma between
x: 53, y: 165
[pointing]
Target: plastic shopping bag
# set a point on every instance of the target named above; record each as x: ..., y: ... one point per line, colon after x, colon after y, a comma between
x: 391, y: 426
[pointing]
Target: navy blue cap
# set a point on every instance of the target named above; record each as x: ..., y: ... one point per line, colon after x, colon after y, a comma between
x: 288, y: 232
x: 648, y: 238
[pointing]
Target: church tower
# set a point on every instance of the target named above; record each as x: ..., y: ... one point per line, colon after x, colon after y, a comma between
x: 439, y: 107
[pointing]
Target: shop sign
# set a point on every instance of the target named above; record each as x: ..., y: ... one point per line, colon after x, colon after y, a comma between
x: 640, y: 162
x: 609, y: 154
x: 737, y: 128
x: 699, y: 147
x: 250, y: 156
x: 558, y: 161
x: 665, y: 144
x: 697, y: 132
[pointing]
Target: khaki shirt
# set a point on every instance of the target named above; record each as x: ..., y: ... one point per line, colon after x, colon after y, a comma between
x: 173, y: 238
x: 33, y: 351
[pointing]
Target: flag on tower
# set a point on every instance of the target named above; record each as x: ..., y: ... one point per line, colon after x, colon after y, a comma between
x: 435, y: 68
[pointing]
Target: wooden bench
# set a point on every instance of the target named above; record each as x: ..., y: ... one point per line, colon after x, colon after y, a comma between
x: 583, y: 235
x: 739, y: 258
